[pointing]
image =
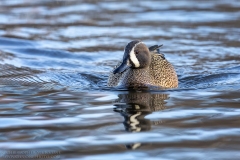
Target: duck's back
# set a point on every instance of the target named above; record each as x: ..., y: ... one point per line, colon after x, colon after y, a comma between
x: 162, y: 72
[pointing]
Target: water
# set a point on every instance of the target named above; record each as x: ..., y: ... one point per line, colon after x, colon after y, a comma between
x: 55, y: 57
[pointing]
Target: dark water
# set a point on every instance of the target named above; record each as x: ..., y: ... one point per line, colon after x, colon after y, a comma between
x: 55, y: 57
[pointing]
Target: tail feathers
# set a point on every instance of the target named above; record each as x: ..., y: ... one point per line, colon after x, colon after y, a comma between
x: 155, y: 48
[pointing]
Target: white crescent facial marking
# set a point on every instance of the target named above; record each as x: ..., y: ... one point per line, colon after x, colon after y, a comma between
x: 133, y: 56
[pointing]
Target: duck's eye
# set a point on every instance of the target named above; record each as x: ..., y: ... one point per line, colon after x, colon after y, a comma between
x: 136, y: 52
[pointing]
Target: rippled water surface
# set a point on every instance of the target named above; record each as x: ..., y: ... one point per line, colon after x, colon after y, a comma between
x: 55, y: 57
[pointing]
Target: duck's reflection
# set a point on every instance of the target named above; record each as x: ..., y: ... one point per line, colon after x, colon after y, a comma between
x: 134, y: 106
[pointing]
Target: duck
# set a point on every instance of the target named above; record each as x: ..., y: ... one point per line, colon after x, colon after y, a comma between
x: 143, y: 67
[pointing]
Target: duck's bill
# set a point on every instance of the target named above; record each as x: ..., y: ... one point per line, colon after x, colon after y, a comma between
x: 123, y: 67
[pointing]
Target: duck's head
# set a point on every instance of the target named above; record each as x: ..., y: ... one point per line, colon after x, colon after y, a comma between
x: 136, y: 55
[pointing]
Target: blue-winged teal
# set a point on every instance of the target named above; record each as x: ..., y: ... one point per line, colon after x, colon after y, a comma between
x: 142, y: 66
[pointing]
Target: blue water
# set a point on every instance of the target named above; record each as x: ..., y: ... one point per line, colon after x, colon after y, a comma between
x: 55, y: 57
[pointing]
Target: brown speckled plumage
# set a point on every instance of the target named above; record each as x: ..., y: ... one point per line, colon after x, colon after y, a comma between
x: 162, y: 72
x: 159, y: 73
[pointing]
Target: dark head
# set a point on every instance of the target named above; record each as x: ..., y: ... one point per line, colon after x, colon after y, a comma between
x: 136, y: 55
